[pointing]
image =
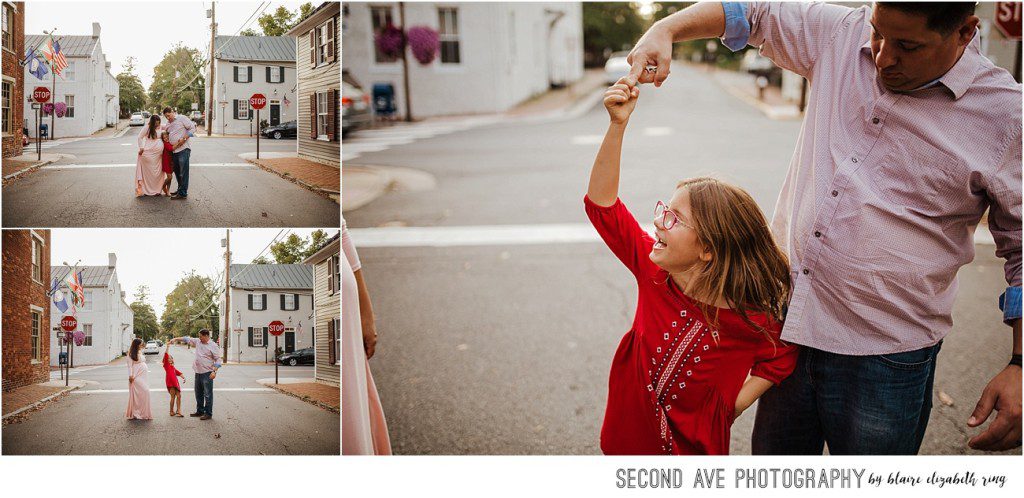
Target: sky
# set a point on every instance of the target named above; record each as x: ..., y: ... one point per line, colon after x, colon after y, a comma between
x: 159, y: 257
x: 145, y: 30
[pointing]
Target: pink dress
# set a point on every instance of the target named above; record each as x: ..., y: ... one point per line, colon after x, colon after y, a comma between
x: 149, y: 176
x: 138, y: 391
x: 363, y: 428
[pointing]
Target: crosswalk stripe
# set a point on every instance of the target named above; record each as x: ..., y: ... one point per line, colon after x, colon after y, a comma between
x: 381, y: 139
x: 132, y: 165
x: 186, y: 389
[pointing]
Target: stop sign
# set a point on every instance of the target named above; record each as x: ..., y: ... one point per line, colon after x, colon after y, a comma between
x: 41, y: 94
x: 68, y: 323
x: 1008, y: 19
x: 276, y: 327
x: 258, y: 101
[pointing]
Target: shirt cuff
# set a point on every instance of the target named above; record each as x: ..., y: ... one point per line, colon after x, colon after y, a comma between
x: 1009, y: 304
x: 737, y: 27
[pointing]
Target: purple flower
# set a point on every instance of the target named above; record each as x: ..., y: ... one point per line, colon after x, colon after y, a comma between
x: 60, y: 108
x: 390, y: 41
x: 47, y: 108
x: 424, y: 43
x: 79, y: 338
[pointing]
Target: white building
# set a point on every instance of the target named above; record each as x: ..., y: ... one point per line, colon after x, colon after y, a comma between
x: 261, y: 294
x: 86, y: 86
x: 246, y: 65
x: 106, y: 319
x: 492, y: 56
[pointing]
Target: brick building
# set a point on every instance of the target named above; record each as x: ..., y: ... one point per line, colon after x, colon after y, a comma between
x: 13, y: 77
x: 26, y: 317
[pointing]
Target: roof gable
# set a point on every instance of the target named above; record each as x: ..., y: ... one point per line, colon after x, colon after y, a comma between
x: 255, y: 276
x: 255, y: 48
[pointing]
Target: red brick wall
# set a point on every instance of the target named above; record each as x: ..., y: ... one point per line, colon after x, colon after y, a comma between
x: 19, y: 292
x: 12, y: 142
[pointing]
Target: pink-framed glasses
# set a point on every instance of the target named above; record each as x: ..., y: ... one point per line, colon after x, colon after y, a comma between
x: 668, y: 218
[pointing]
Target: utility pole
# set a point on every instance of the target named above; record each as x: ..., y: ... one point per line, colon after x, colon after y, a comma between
x: 405, y: 64
x: 209, y: 99
x: 227, y: 294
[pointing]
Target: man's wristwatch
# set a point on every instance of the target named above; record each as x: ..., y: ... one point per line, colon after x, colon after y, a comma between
x: 1015, y: 360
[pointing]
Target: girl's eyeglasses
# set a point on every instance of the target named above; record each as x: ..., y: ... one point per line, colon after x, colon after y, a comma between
x: 668, y: 218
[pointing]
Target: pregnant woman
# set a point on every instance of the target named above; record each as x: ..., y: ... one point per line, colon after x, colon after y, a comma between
x: 138, y: 385
x: 149, y: 176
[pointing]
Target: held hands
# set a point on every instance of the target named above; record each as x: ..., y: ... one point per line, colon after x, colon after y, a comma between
x: 1003, y: 393
x: 140, y: 152
x: 620, y: 100
x: 653, y: 49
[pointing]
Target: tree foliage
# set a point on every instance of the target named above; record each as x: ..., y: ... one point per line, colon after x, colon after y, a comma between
x: 191, y: 306
x: 132, y: 94
x: 145, y: 322
x: 178, y: 80
x: 280, y: 21
x: 294, y: 249
x: 609, y: 27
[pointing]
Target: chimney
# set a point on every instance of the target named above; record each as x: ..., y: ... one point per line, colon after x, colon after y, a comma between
x: 95, y: 30
x: 113, y: 260
x: 122, y: 294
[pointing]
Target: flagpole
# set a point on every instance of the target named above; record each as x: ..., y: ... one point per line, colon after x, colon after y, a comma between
x: 53, y: 90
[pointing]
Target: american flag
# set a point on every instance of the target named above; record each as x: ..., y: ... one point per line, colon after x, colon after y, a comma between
x: 74, y: 282
x: 55, y: 56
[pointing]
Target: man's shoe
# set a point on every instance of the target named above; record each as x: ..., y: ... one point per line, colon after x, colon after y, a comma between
x: 174, y: 193
x: 205, y: 417
x: 195, y: 414
x: 176, y: 196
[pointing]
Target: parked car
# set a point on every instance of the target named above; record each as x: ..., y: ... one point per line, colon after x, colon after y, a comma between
x: 196, y: 116
x: 616, y: 67
x: 355, y: 106
x: 288, y: 129
x: 137, y: 119
x: 146, y: 114
x: 152, y: 347
x: 304, y: 356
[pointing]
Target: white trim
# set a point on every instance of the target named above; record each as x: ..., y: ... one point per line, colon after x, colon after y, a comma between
x: 381, y: 67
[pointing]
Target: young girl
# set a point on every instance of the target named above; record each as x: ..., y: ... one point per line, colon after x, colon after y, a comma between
x: 712, y: 286
x: 168, y: 162
x: 171, y: 375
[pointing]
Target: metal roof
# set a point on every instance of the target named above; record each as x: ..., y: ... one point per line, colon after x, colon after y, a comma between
x: 92, y: 276
x: 255, y: 48
x: 70, y: 45
x: 272, y: 276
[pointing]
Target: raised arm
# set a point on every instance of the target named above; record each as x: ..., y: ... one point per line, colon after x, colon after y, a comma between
x: 698, y: 21
x: 620, y: 100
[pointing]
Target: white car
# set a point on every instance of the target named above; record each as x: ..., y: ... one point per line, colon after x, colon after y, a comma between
x: 136, y: 120
x: 152, y: 347
x: 616, y: 67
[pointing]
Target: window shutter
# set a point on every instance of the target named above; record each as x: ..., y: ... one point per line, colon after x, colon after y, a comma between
x: 296, y: 301
x: 330, y: 40
x: 235, y: 102
x: 250, y: 295
x: 280, y: 74
x: 332, y: 345
x: 250, y: 337
x: 283, y: 308
x: 265, y: 342
x: 249, y: 80
x: 312, y: 115
x: 264, y: 308
x: 236, y: 77
x: 330, y: 276
x: 332, y: 113
x: 312, y: 47
x: 268, y: 75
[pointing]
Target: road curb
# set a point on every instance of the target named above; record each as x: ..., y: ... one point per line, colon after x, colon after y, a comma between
x: 307, y: 399
x: 329, y: 194
x: 40, y: 402
x: 34, y: 167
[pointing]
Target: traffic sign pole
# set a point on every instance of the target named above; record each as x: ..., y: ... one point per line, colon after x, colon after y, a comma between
x: 276, y: 380
x: 257, y: 133
x: 276, y: 328
x: 257, y: 101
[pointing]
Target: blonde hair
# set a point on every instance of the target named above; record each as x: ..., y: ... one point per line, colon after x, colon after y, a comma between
x: 747, y: 268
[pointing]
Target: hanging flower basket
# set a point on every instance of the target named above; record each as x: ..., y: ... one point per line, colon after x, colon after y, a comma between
x: 79, y: 338
x: 390, y: 41
x: 60, y: 108
x: 47, y: 108
x: 425, y: 44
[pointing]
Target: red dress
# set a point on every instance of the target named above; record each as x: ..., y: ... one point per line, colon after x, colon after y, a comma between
x: 168, y: 161
x: 171, y: 374
x: 672, y: 389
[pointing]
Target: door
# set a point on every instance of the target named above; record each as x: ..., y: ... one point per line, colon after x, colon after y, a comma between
x: 289, y: 341
x: 275, y: 114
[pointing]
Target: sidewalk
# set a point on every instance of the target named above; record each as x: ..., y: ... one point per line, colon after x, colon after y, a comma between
x: 24, y: 399
x: 744, y: 87
x: 318, y: 177
x: 323, y: 395
x: 19, y: 165
x: 111, y: 131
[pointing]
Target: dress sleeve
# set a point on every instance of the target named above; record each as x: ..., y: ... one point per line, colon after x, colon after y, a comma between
x: 349, y: 247
x: 623, y: 235
x: 775, y: 362
x: 142, y: 136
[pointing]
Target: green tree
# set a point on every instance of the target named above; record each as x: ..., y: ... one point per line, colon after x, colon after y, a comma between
x: 294, y: 249
x: 280, y: 21
x: 178, y: 80
x: 191, y: 306
x: 609, y: 27
x: 145, y: 323
x: 132, y: 93
x: 249, y: 32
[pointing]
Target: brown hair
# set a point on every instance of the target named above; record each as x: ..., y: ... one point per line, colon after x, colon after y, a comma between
x: 154, y: 123
x: 747, y: 268
x: 133, y: 352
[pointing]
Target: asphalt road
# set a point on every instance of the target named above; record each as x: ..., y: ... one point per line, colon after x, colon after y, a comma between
x: 505, y: 348
x: 248, y: 418
x: 95, y: 187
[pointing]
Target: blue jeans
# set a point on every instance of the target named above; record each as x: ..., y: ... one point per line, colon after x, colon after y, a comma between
x: 181, y: 170
x: 204, y: 394
x: 857, y: 405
